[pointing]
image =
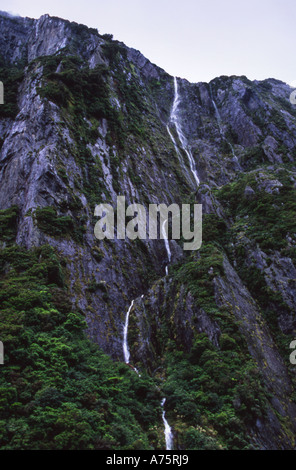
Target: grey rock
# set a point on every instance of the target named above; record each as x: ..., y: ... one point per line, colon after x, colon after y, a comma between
x: 270, y: 147
x: 40, y: 141
x: 249, y: 193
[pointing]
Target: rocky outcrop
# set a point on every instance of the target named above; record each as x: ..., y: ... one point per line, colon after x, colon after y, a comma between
x: 231, y: 292
x: 73, y: 144
x: 167, y: 310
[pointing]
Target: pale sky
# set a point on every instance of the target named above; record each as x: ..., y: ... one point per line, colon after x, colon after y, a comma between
x: 194, y: 39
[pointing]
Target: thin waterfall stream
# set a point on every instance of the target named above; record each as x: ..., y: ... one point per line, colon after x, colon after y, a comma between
x: 175, y: 119
x: 126, y: 352
x: 167, y: 245
x: 167, y: 429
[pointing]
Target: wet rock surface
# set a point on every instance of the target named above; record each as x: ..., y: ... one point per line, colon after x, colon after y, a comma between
x: 41, y: 166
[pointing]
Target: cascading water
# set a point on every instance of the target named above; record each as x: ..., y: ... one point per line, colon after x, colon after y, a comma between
x: 167, y: 429
x: 126, y: 352
x: 177, y: 150
x: 167, y: 246
x: 174, y: 119
x: 218, y: 117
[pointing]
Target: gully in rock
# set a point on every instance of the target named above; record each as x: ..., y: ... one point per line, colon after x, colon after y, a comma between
x: 219, y: 121
x: 174, y: 119
x: 221, y: 130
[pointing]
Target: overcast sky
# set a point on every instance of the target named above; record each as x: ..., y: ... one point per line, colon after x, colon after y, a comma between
x: 193, y: 39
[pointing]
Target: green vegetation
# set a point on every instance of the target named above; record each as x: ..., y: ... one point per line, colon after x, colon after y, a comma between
x: 58, y: 390
x: 268, y: 217
x: 61, y: 392
x: 10, y: 76
x: 58, y: 226
x: 198, y: 272
x: 83, y: 92
x: 49, y: 222
x: 215, y: 394
x: 253, y: 157
x: 217, y: 391
x: 8, y: 223
x: 113, y: 50
x: 84, y: 96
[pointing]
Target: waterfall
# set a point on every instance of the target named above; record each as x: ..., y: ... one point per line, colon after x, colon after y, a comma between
x: 167, y: 429
x: 177, y: 150
x: 126, y: 352
x: 218, y: 117
x: 167, y: 245
x: 174, y: 119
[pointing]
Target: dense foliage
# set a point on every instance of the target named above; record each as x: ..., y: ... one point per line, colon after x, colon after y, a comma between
x: 58, y: 390
x: 10, y: 76
x: 214, y: 393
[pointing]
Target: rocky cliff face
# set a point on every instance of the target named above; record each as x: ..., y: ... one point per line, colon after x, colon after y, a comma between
x: 85, y: 119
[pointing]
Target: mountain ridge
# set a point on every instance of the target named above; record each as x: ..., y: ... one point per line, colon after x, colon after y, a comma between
x: 88, y: 119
